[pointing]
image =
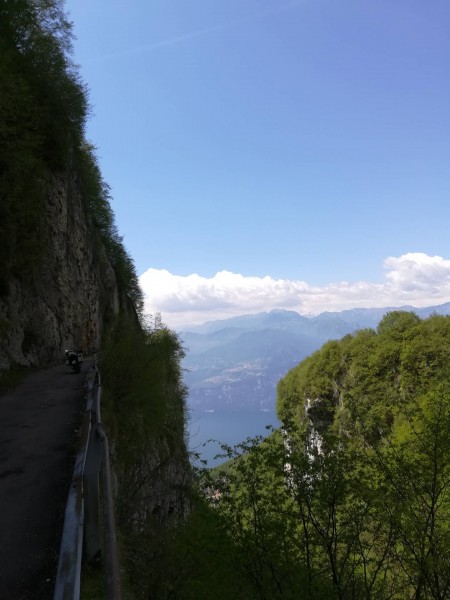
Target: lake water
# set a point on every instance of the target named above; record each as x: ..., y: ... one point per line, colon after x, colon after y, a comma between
x: 229, y: 427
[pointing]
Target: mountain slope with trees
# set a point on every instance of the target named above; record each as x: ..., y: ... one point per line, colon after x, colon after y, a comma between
x: 351, y: 499
x: 371, y: 415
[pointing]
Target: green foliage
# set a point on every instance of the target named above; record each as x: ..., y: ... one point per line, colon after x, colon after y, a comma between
x: 396, y: 323
x: 36, y: 39
x: 193, y: 561
x: 42, y: 111
x: 416, y: 462
x: 22, y: 170
x: 144, y: 408
x: 374, y: 495
x: 144, y: 401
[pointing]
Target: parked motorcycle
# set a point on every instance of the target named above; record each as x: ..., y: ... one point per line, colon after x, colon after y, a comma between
x: 74, y: 358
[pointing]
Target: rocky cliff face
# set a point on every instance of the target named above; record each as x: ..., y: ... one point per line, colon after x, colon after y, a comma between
x: 156, y: 489
x: 70, y: 295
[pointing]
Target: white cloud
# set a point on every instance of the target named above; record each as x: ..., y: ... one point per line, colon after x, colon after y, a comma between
x: 414, y: 278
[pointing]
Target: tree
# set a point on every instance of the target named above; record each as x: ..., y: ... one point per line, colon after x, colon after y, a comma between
x: 397, y: 322
x: 259, y: 514
x: 416, y: 467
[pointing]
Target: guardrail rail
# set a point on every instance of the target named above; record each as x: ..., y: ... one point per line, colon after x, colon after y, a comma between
x: 82, y: 531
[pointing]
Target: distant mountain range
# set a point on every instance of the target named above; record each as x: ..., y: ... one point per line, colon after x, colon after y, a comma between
x: 236, y: 363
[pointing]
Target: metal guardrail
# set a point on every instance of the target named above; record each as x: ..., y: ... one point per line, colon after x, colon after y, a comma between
x: 82, y: 538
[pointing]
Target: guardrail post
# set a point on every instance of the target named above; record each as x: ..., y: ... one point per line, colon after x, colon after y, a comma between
x: 92, y: 537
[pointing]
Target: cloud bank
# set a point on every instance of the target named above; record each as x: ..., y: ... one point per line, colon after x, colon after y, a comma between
x: 415, y: 279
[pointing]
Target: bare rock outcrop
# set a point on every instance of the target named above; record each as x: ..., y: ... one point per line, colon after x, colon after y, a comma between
x: 71, y: 293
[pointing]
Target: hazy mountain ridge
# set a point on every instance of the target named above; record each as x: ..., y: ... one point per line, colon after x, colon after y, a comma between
x: 236, y: 363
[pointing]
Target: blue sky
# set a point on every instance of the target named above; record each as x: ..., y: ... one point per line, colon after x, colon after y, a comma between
x: 260, y: 146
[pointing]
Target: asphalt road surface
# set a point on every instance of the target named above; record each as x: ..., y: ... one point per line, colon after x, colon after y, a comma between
x: 39, y: 423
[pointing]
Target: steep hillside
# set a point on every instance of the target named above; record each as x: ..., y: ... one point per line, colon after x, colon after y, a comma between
x: 64, y: 273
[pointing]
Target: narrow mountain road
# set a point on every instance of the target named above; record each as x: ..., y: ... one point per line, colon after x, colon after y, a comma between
x: 38, y: 434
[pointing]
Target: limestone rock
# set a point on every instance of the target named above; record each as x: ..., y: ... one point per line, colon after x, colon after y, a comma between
x: 70, y: 296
